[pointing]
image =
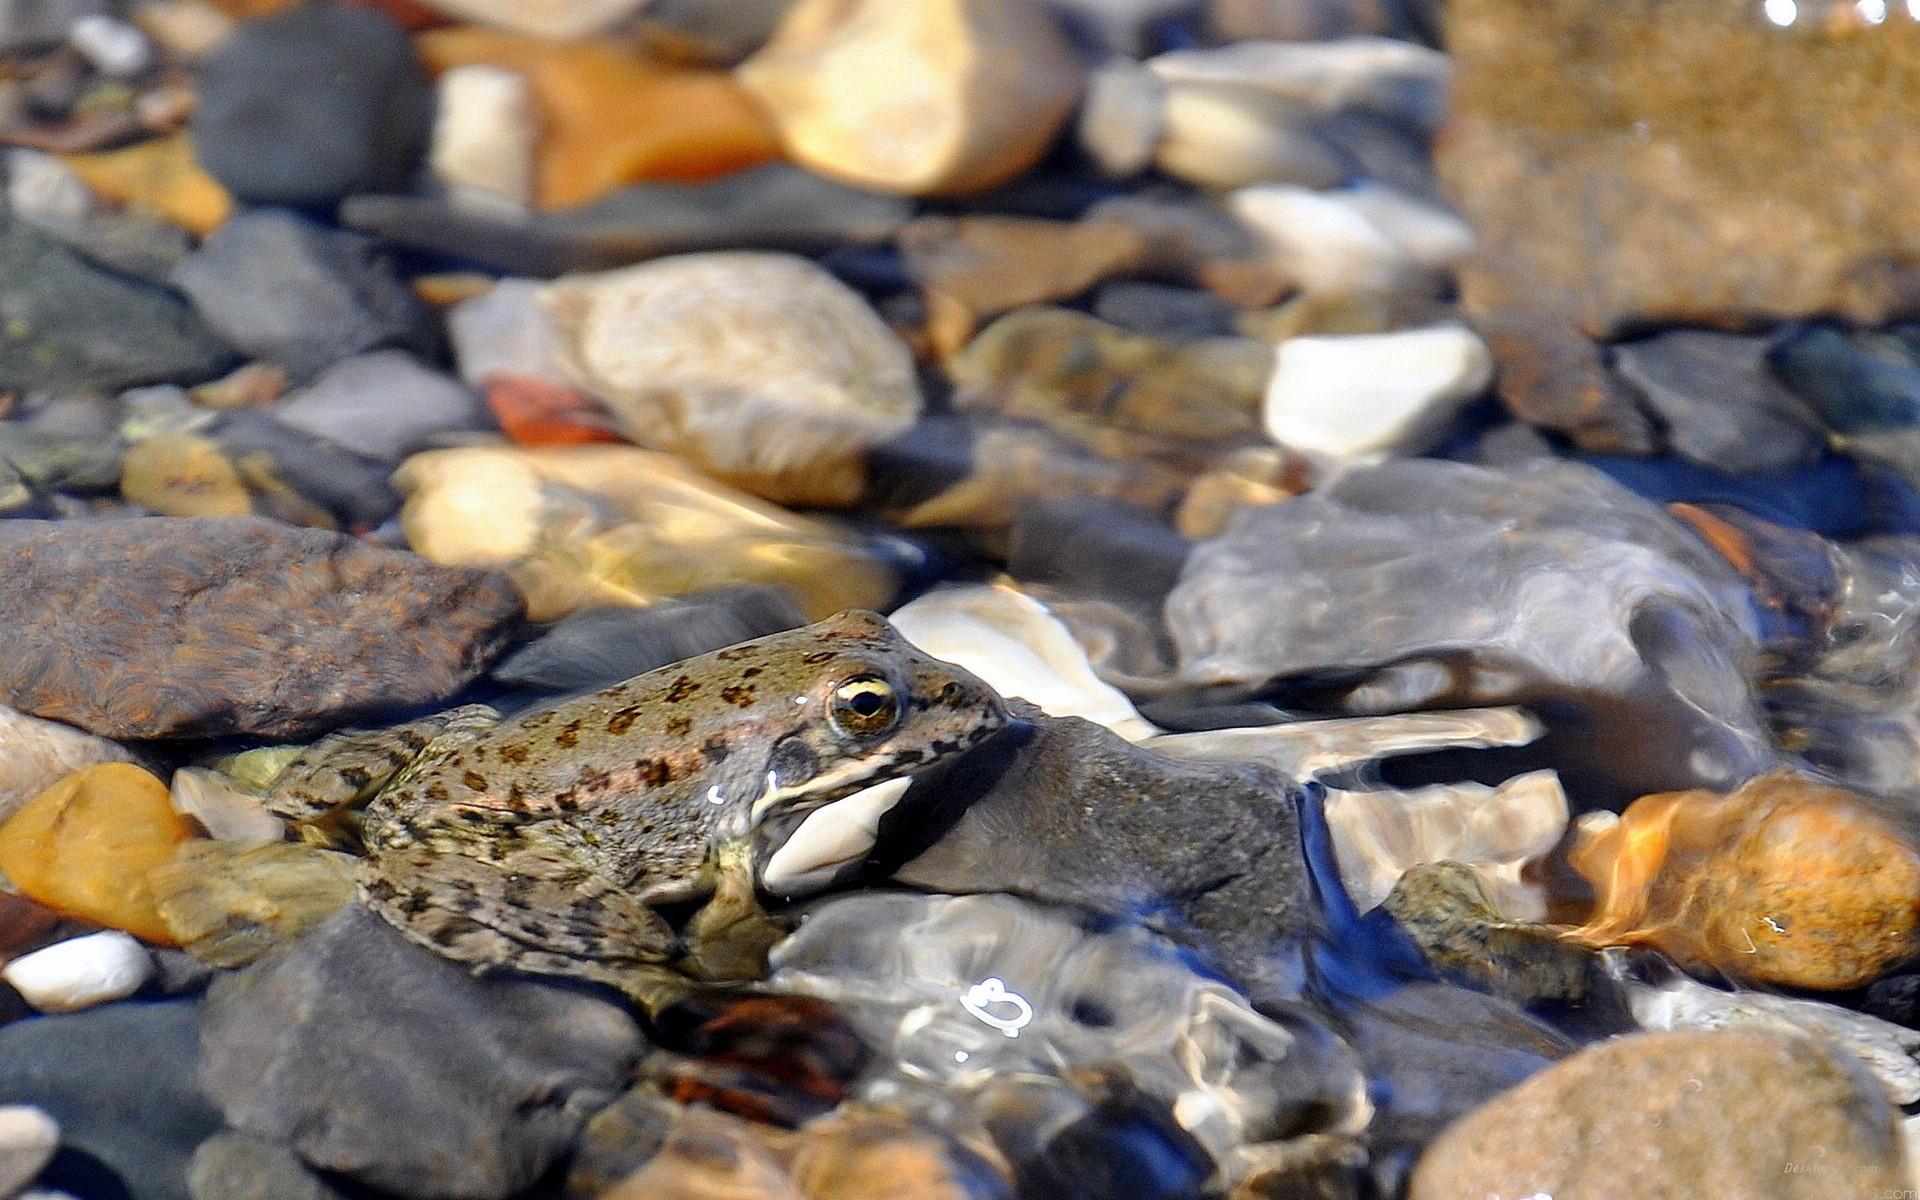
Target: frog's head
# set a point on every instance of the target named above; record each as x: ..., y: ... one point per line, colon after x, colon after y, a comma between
x: 867, y: 708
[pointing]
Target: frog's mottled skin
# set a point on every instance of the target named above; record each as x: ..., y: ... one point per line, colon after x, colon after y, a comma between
x: 545, y: 842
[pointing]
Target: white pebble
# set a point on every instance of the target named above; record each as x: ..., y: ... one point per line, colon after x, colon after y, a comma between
x: 1374, y: 393
x: 484, y: 136
x: 81, y: 972
x: 112, y: 46
x: 1358, y: 239
x: 28, y: 1138
x: 41, y: 187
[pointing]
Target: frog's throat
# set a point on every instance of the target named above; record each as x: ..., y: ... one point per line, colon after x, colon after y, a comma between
x: 824, y: 788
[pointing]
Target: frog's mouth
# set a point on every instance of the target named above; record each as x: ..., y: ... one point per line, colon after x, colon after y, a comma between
x: 813, y: 843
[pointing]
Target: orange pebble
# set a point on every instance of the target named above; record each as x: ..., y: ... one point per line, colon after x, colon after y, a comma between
x: 534, y: 412
x: 612, y: 116
x: 84, y: 846
x: 160, y: 175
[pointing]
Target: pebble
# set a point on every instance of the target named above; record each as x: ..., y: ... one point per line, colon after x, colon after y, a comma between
x: 591, y: 526
x: 1220, y: 136
x: 310, y: 105
x: 536, y: 413
x: 958, y: 95
x: 296, y: 293
x: 112, y: 46
x: 80, y: 972
x: 1011, y: 641
x: 306, y: 627
x: 1553, y: 377
x: 119, y: 1080
x: 975, y: 267
x: 1446, y: 910
x: 1358, y: 239
x: 28, y: 1138
x: 1379, y: 834
x: 486, y: 132
x: 1122, y: 117
x: 611, y: 116
x: 227, y: 810
x: 760, y: 368
x: 43, y: 189
x: 247, y: 462
x: 1298, y: 20
x: 36, y: 754
x: 1720, y: 404
x: 1079, y: 376
x: 233, y: 1166
x: 1786, y: 881
x: 230, y: 902
x: 158, y: 176
x: 557, y: 19
x: 1757, y: 1113
x: 1375, y: 394
x: 1599, y: 598
x: 84, y: 846
x: 1393, y: 78
x: 503, y: 331
x: 1164, y: 310
x: 598, y: 647
x: 37, y: 24
x: 401, y: 1070
x: 384, y: 405
x: 71, y: 326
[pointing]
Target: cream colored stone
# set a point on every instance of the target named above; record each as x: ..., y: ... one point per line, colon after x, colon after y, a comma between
x: 484, y: 136
x: 761, y: 368
x: 596, y: 525
x: 556, y: 19
x: 36, y: 754
x: 934, y: 96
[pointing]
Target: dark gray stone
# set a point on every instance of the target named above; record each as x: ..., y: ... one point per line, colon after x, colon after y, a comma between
x: 351, y: 487
x: 1067, y: 812
x: 233, y: 1166
x: 296, y: 293
x: 1722, y: 406
x: 602, y: 646
x: 773, y: 207
x: 383, y: 405
x: 402, y: 1070
x: 718, y: 31
x: 1162, y: 310
x: 1860, y: 385
x: 67, y: 325
x: 34, y: 24
x: 311, y: 105
x: 1428, y: 584
x: 120, y: 1081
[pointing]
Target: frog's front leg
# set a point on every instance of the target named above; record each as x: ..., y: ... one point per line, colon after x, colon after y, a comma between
x: 495, y: 889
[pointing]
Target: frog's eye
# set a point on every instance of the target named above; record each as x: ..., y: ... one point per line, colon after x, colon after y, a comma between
x: 864, y: 706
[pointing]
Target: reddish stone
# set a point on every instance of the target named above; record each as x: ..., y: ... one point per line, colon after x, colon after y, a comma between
x: 535, y: 412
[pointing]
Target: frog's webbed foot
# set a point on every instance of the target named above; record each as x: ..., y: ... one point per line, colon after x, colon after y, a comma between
x: 530, y: 908
x: 335, y: 777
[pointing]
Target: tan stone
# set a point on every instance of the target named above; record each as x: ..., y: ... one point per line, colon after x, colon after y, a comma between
x: 84, y: 846
x: 160, y: 176
x: 1723, y: 1113
x: 1685, y: 161
x: 596, y: 525
x: 937, y: 96
x: 1786, y: 881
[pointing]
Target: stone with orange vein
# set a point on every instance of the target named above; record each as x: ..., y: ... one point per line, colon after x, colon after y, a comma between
x: 611, y: 116
x: 1787, y: 881
x: 84, y: 846
x: 160, y: 176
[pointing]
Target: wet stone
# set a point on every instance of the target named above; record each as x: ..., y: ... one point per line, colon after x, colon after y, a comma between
x: 384, y: 405
x: 36, y: 754
x: 311, y: 105
x: 455, y: 1086
x: 1446, y: 911
x: 1720, y: 404
x: 233, y: 1166
x: 70, y: 325
x: 176, y: 627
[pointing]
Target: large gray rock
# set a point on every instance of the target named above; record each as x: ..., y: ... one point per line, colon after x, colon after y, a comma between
x: 119, y: 1079
x: 296, y: 293
x: 1067, y: 812
x: 313, y: 104
x: 1428, y: 584
x: 191, y: 627
x: 382, y: 1061
x: 67, y: 325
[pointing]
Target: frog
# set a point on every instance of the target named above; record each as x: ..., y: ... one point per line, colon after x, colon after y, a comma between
x: 557, y: 841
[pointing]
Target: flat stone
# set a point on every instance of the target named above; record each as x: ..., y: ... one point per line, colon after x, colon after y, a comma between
x: 80, y: 972
x: 292, y: 292
x: 1164, y: 310
x: 760, y: 368
x: 1070, y: 813
x: 559, y: 19
x: 122, y: 1132
x: 1649, y: 622
x: 1366, y: 238
x: 233, y: 1166
x: 67, y: 325
x: 1720, y: 404
x: 175, y: 627
x: 1686, y: 164
x: 310, y: 105
x: 597, y: 647
x: 384, y: 405
x: 1373, y: 394
x: 1786, y: 881
x: 28, y: 1138
x: 401, y: 1070
x: 959, y: 94
x: 770, y: 207
x: 1397, y: 79
x: 1554, y: 377
x: 228, y: 903
x: 1759, y: 1114
x: 36, y: 754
